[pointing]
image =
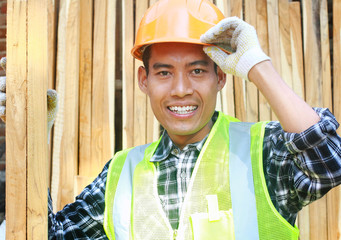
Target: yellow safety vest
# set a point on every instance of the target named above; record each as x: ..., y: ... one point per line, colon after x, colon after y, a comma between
x: 227, y: 197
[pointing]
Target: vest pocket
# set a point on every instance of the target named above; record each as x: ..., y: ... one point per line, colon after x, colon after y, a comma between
x: 204, y: 229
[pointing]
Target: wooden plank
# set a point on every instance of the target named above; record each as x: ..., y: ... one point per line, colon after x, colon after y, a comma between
x: 102, y: 122
x: 111, y: 75
x: 334, y: 213
x: 16, y: 120
x: 251, y: 89
x: 153, y: 126
x: 140, y: 99
x: 85, y: 86
x: 325, y: 56
x: 52, y: 33
x: 273, y: 33
x: 313, y: 80
x: 298, y: 87
x: 60, y: 86
x: 99, y: 85
x: 334, y: 197
x: 227, y: 93
x: 312, y: 53
x: 274, y: 36
x: 318, y: 219
x: 296, y: 49
x: 37, y: 76
x: 239, y: 84
x: 304, y: 223
x: 81, y: 182
x: 337, y: 61
x: 262, y: 32
x: 66, y: 126
x: 285, y: 41
x: 127, y: 74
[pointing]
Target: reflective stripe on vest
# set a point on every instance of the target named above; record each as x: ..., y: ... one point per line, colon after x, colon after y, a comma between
x: 241, y: 183
x: 133, y: 209
x: 121, y: 219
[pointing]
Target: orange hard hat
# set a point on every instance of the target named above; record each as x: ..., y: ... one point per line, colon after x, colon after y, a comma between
x: 175, y: 21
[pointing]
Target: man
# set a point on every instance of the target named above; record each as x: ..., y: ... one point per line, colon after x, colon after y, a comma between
x: 208, y: 176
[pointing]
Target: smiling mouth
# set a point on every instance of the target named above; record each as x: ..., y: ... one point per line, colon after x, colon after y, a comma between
x: 182, y: 109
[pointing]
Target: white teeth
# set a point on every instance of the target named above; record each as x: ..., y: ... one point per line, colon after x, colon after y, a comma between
x: 182, y: 109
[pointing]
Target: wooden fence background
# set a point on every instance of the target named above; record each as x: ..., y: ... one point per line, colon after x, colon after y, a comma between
x: 102, y: 110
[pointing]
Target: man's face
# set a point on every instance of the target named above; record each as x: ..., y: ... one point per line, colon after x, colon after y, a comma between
x: 182, y: 86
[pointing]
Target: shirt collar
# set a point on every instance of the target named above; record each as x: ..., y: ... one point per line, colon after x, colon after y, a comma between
x: 166, y: 145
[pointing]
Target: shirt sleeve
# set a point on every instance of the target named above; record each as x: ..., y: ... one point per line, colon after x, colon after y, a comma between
x: 301, y: 167
x: 82, y: 219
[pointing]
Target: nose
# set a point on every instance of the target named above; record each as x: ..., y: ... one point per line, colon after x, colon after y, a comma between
x: 181, y: 85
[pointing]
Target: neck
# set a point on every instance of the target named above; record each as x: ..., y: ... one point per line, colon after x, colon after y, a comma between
x: 182, y: 141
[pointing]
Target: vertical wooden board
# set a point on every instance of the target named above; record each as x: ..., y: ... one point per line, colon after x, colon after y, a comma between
x: 52, y: 31
x: 68, y: 86
x: 140, y: 99
x: 325, y: 56
x: 312, y: 52
x: 85, y: 86
x: 99, y: 83
x: 334, y: 197
x: 304, y: 223
x: 16, y: 120
x: 153, y: 126
x: 296, y: 49
x: 60, y: 87
x: 285, y: 43
x: 37, y: 76
x: 318, y: 219
x: 337, y: 62
x: 52, y: 36
x: 251, y: 93
x: 274, y: 36
x: 111, y: 75
x: 227, y: 93
x: 102, y: 140
x: 273, y: 33
x: 236, y: 8
x: 334, y: 213
x: 313, y: 91
x: 128, y: 74
x: 262, y: 32
x: 239, y: 84
x: 239, y: 98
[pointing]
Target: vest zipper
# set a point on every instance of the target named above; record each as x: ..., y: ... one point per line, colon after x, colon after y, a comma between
x: 175, y: 233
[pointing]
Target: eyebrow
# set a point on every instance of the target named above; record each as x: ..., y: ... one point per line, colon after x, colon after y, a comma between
x: 164, y: 65
x: 199, y: 62
x: 161, y: 65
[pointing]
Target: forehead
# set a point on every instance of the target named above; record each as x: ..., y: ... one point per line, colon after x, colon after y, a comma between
x: 177, y: 52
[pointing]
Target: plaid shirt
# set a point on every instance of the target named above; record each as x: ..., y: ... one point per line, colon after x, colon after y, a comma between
x: 299, y: 168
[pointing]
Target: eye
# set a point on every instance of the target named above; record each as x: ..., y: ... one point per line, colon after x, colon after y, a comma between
x: 198, y: 71
x: 163, y: 73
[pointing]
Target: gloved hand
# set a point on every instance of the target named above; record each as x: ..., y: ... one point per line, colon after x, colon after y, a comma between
x: 52, y: 100
x: 239, y: 38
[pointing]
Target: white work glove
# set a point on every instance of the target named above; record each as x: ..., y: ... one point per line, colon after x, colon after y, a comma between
x: 52, y: 100
x: 240, y: 39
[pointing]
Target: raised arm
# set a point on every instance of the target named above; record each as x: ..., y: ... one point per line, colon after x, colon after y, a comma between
x: 248, y: 61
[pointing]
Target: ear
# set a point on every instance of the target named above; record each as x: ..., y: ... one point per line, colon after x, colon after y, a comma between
x: 142, y: 79
x: 221, y: 78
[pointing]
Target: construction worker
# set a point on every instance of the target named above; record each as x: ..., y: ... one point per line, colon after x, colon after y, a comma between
x: 209, y: 176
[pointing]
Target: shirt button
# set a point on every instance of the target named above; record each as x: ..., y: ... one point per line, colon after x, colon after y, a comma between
x: 175, y: 151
